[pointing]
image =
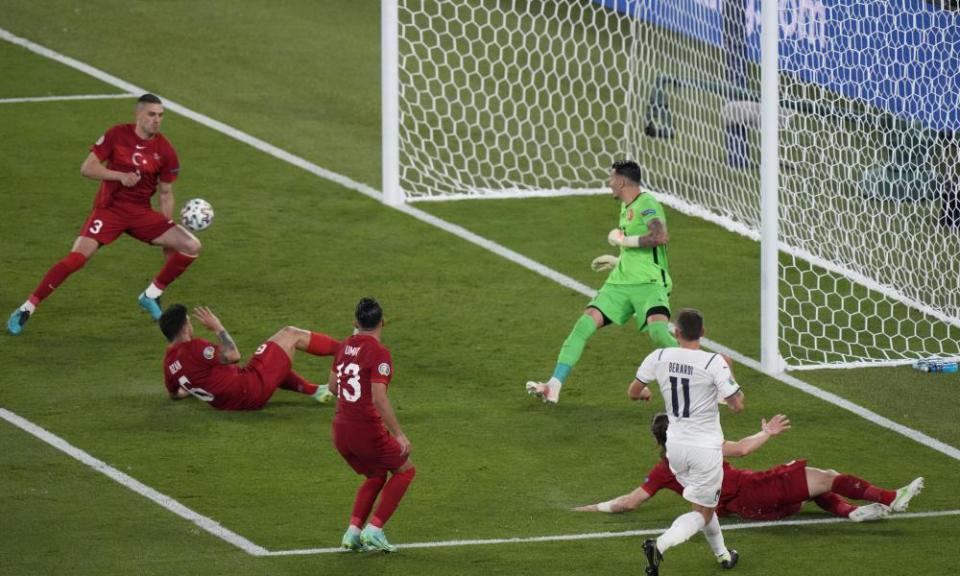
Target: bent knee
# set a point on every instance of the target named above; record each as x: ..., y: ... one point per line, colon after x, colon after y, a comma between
x: 290, y: 331
x: 192, y: 247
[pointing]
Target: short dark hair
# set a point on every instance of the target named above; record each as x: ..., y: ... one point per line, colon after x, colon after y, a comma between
x: 658, y: 427
x: 149, y: 98
x: 172, y: 321
x: 369, y: 313
x: 690, y: 324
x: 628, y: 169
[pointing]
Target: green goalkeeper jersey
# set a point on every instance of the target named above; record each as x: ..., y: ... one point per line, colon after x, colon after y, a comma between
x: 641, y: 265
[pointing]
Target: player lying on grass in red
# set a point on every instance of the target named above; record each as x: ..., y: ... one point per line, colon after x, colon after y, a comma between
x: 197, y: 367
x: 769, y: 494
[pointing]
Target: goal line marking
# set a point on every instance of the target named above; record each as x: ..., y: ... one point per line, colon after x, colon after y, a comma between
x: 204, y: 523
x: 64, y: 98
x: 603, y: 535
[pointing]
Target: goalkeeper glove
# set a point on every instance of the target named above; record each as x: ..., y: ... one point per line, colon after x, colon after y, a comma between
x: 617, y: 238
x: 604, y: 262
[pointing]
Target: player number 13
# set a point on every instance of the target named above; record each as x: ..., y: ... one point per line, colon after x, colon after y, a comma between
x: 349, y: 390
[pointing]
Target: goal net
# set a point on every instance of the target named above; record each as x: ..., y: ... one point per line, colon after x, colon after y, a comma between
x: 517, y: 98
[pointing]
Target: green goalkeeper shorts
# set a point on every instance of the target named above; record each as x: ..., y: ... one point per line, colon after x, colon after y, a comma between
x: 619, y: 302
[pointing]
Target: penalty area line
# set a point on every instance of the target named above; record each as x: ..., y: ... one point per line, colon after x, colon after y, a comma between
x: 604, y: 535
x: 204, y: 523
x: 64, y: 98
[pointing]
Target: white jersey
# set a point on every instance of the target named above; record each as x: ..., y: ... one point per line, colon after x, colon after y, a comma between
x: 692, y: 382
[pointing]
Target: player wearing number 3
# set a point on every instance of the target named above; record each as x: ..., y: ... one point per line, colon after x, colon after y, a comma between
x: 207, y: 371
x: 132, y: 162
x: 366, y: 431
x: 691, y: 381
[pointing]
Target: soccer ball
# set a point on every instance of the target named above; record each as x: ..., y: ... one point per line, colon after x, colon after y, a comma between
x: 197, y: 214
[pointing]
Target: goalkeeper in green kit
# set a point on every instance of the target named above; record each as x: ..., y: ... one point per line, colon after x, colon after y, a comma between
x: 639, y: 282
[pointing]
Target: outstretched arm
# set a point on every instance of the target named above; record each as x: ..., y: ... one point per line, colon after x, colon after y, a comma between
x: 751, y: 444
x: 624, y: 503
x: 228, y: 348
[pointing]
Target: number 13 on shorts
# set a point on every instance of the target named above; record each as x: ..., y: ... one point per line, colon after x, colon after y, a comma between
x: 349, y: 390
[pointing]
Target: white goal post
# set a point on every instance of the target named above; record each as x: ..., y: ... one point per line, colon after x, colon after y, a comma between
x: 834, y: 140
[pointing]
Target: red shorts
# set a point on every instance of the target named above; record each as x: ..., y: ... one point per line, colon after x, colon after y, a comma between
x: 367, y: 447
x: 264, y: 373
x: 771, y: 494
x: 142, y: 222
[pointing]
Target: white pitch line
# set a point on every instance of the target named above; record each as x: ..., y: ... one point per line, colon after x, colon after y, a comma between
x: 64, y: 98
x: 204, y: 523
x: 604, y: 535
x: 195, y: 116
x: 469, y: 236
x: 461, y: 232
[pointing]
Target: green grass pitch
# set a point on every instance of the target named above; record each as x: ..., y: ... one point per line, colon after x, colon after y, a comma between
x: 466, y: 328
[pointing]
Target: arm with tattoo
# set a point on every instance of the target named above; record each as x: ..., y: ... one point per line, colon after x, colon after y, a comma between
x: 228, y: 348
x: 656, y: 236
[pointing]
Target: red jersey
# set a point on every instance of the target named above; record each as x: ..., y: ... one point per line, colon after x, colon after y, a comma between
x: 124, y: 151
x: 660, y: 476
x: 361, y: 361
x: 754, y: 495
x: 195, y: 366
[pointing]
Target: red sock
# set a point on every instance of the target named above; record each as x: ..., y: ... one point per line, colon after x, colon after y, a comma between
x: 834, y: 504
x: 297, y: 383
x: 392, y: 493
x: 57, y: 274
x: 322, y: 345
x: 366, y: 496
x: 858, y: 489
x: 176, y: 264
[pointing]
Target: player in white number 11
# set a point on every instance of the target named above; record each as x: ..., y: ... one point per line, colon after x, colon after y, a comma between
x: 691, y: 381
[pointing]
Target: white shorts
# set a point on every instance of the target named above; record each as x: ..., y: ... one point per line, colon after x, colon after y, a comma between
x: 699, y: 470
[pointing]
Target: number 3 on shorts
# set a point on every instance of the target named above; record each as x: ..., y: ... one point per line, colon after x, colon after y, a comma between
x: 96, y: 226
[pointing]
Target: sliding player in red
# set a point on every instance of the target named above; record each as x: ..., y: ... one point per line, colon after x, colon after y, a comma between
x: 207, y: 371
x: 132, y: 162
x: 770, y: 494
x: 366, y: 431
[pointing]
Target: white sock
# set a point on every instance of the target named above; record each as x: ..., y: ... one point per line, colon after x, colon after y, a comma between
x: 373, y: 528
x: 351, y: 529
x: 554, y: 383
x: 714, y: 536
x: 685, y: 526
x: 29, y: 306
x: 152, y: 291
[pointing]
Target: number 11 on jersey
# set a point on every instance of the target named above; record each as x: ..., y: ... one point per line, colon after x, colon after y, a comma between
x: 674, y: 397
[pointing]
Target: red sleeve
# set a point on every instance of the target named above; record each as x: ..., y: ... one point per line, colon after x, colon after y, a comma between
x: 661, y: 477
x: 204, y: 351
x: 381, y: 369
x: 103, y: 147
x: 171, y: 164
x: 168, y: 381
